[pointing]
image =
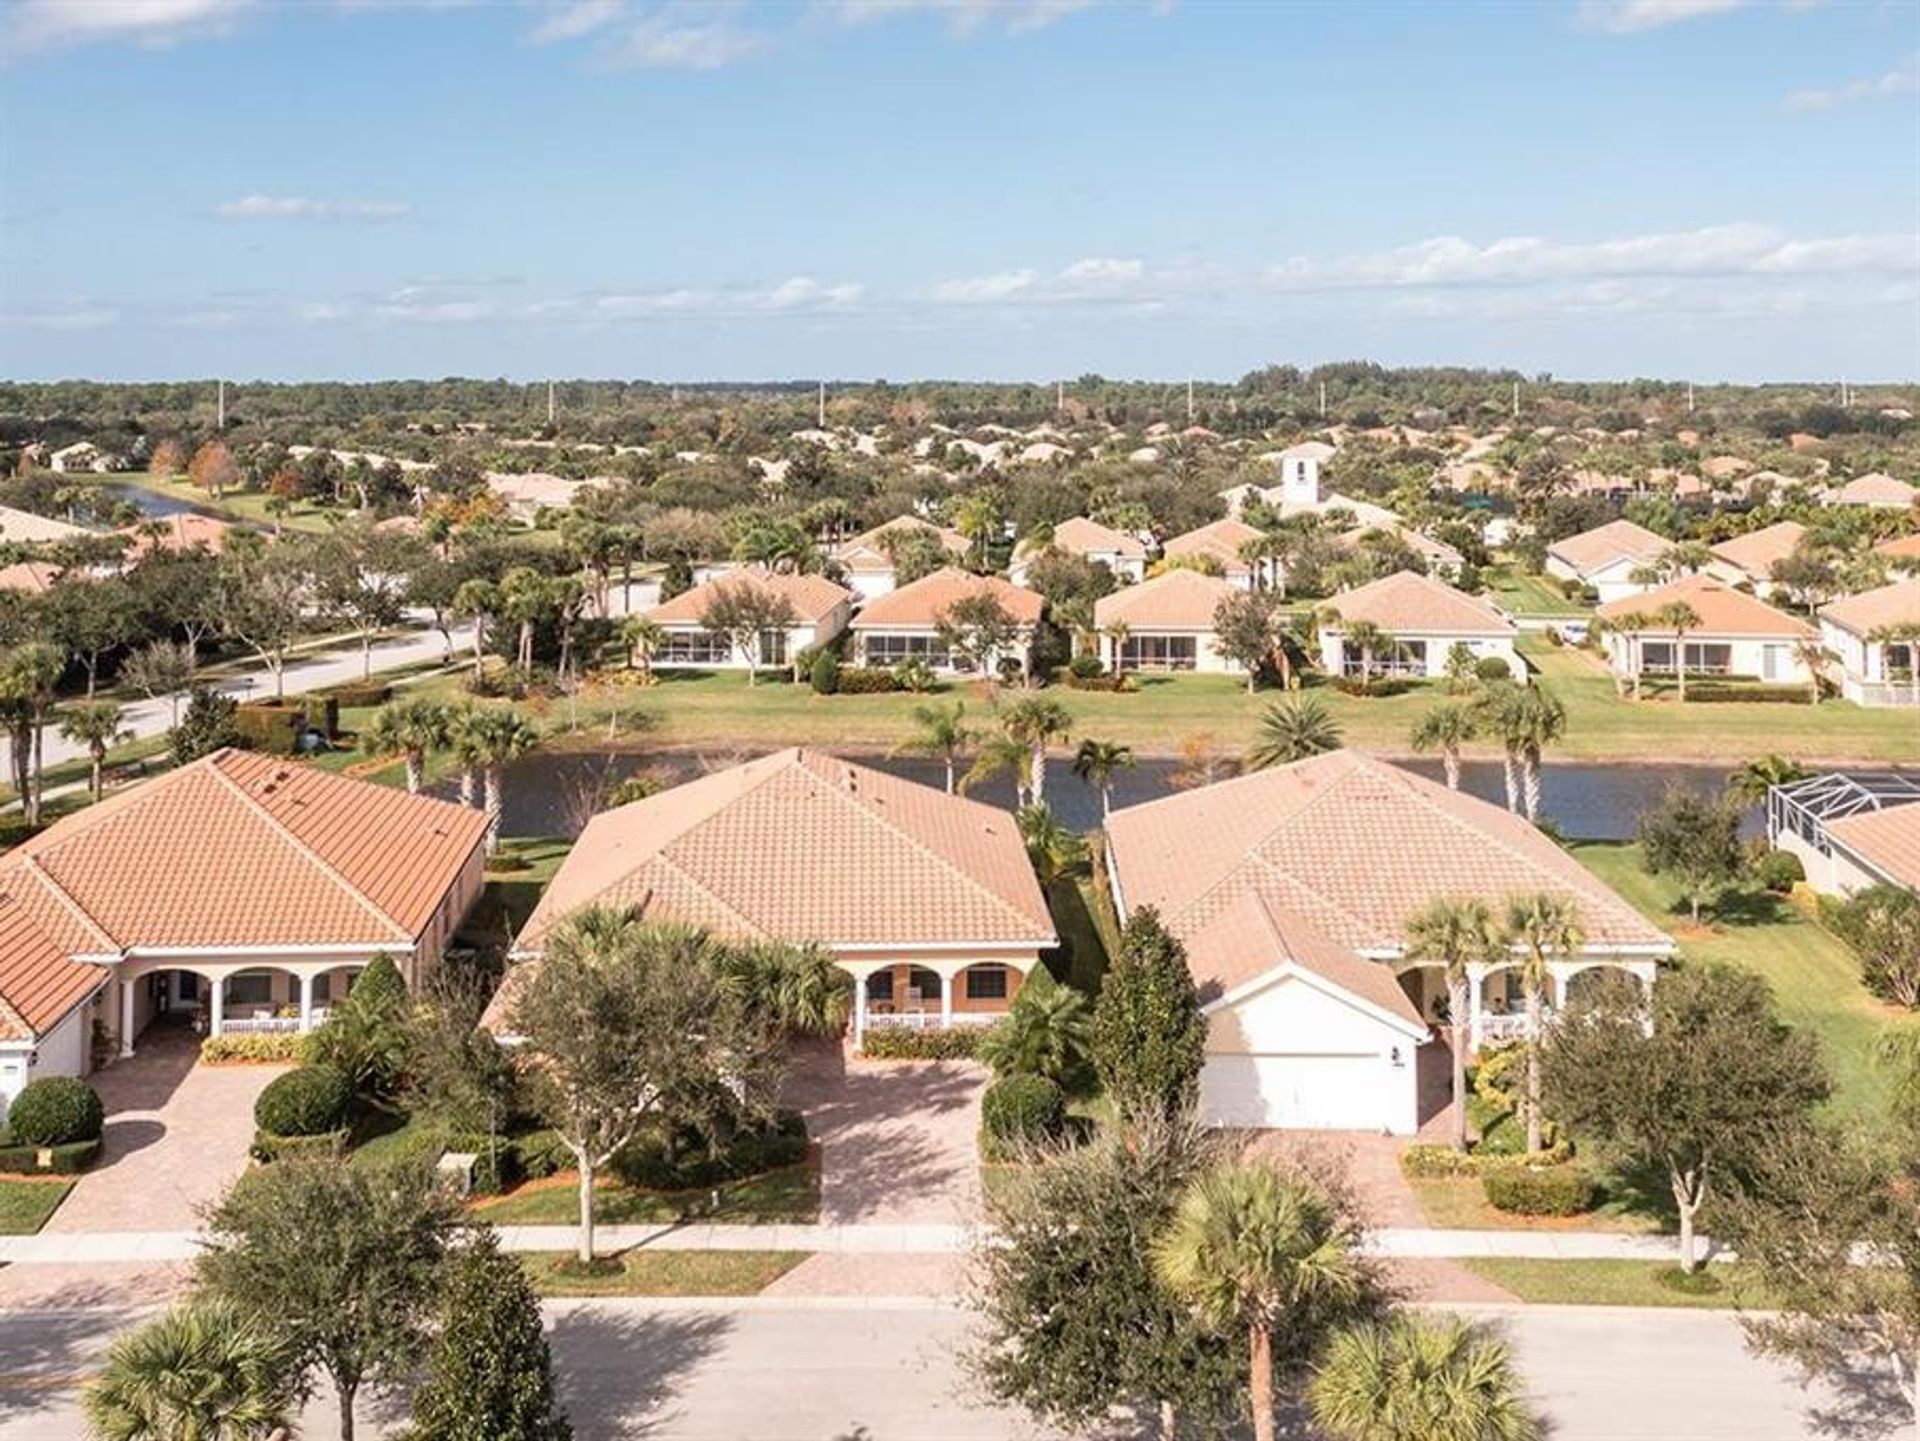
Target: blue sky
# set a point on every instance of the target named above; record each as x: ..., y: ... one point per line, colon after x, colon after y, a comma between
x: 953, y: 188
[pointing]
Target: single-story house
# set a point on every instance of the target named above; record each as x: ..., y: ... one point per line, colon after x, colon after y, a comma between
x: 82, y: 457
x: 178, y: 532
x: 1748, y: 560
x: 1122, y: 554
x: 1606, y: 557
x: 1291, y: 889
x: 1876, y: 634
x: 1440, y: 558
x: 23, y: 527
x: 244, y: 890
x: 867, y: 564
x: 1168, y: 623
x: 1737, y: 635
x: 1901, y: 551
x: 904, y: 624
x: 1850, y: 832
x: 29, y: 577
x: 1423, y: 620
x: 820, y: 611
x: 1222, y: 541
x: 1876, y: 490
x: 926, y: 900
x: 526, y: 494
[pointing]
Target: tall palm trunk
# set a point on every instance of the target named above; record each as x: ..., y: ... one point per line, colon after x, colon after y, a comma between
x: 479, y: 646
x: 39, y: 766
x: 1261, y: 1382
x: 1530, y: 775
x: 469, y: 786
x: 1535, y: 1021
x: 495, y: 804
x: 1037, y: 773
x: 1450, y: 760
x: 949, y: 760
x: 1511, y: 771
x: 1680, y: 663
x: 97, y: 780
x: 1457, y: 1013
x: 416, y: 771
x: 1639, y: 663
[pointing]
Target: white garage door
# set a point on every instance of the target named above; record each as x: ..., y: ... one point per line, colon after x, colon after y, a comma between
x: 1312, y: 1093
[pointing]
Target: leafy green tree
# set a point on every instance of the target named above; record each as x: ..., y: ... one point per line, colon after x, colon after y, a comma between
x: 1458, y: 933
x: 366, y: 1036
x: 1097, y: 763
x: 1750, y: 782
x: 200, y: 1372
x: 1695, y: 1081
x: 210, y: 724
x: 29, y: 683
x: 743, y: 613
x: 1047, y: 1032
x: 1249, y: 629
x: 1292, y: 730
x: 262, y: 600
x: 342, y: 1263
x: 162, y: 668
x: 1056, y: 851
x: 1420, y: 1378
x: 940, y: 730
x: 96, y: 725
x: 489, y: 1374
x: 1881, y: 925
x: 1695, y: 840
x: 1446, y: 728
x: 977, y: 630
x: 1149, y: 1038
x: 1541, y: 926
x: 414, y: 728
x: 89, y: 619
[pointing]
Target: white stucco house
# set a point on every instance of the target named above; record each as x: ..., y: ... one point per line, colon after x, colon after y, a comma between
x: 818, y: 611
x: 1219, y: 545
x: 1876, y: 637
x: 1850, y: 831
x: 1423, y: 620
x: 905, y: 624
x: 1737, y: 635
x: 1122, y: 554
x: 867, y: 565
x: 1606, y: 558
x: 1165, y: 623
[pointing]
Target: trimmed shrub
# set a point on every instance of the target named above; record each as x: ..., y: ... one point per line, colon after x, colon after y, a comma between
x: 55, y: 1111
x: 1112, y: 683
x: 824, y: 673
x: 1020, y: 1111
x: 68, y: 1160
x: 307, y: 1101
x: 890, y: 1044
x: 1085, y: 666
x: 1428, y: 1160
x: 539, y: 1154
x: 866, y: 680
x: 252, y: 1049
x: 915, y: 675
x: 361, y: 694
x: 1712, y: 692
x: 1385, y: 685
x: 1522, y: 1190
x: 665, y: 1159
x: 1499, y: 1076
x: 1779, y: 871
x: 1490, y: 668
x: 271, y: 726
x: 269, y: 1147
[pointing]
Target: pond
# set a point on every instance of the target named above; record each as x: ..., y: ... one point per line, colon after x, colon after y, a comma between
x: 155, y: 506
x: 554, y: 793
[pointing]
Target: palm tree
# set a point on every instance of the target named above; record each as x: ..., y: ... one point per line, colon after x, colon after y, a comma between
x: 1541, y: 925
x: 797, y: 988
x: 1630, y: 628
x: 1446, y: 728
x: 1036, y: 722
x: 1048, y: 1032
x: 526, y: 597
x: 1816, y: 658
x: 1055, y: 851
x: 1750, y: 783
x: 481, y: 600
x: 1906, y: 633
x: 644, y: 639
x: 1293, y: 729
x: 1371, y: 640
x: 492, y: 739
x: 1248, y: 1249
x: 1419, y: 1378
x: 1498, y: 711
x: 1458, y: 934
x: 96, y: 725
x: 29, y: 675
x: 1679, y: 617
x: 1118, y: 632
x: 1097, y: 763
x: 413, y: 729
x: 943, y: 732
x: 977, y: 517
x: 200, y: 1372
x: 1538, y: 721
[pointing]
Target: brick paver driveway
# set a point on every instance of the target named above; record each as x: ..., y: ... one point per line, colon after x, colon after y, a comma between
x: 176, y: 1135
x: 897, y: 1138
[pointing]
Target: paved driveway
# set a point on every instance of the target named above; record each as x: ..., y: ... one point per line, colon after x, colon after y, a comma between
x: 177, y: 1135
x: 897, y: 1138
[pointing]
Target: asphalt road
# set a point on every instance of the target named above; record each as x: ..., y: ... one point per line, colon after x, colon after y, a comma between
x: 641, y: 1369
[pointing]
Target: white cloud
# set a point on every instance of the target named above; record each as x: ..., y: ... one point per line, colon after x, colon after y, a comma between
x: 1901, y: 80
x: 50, y: 24
x: 804, y: 291
x: 679, y: 37
x: 300, y: 207
x: 1100, y: 271
x: 80, y: 317
x: 984, y: 288
x: 575, y: 20
x: 964, y: 17
x: 1627, y: 17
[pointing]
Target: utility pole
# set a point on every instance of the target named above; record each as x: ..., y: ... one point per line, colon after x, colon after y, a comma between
x: 549, y: 402
x: 1189, y: 400
x: 1689, y: 397
x: 220, y: 408
x: 1060, y: 397
x: 1516, y: 400
x: 1846, y: 396
x: 1323, y: 400
x: 823, y: 405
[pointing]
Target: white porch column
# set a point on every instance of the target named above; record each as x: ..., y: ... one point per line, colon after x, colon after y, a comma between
x: 946, y: 1001
x: 306, y: 1003
x: 1476, y: 979
x: 216, y: 1005
x: 126, y: 1018
x: 859, y: 1010
x: 1559, y: 990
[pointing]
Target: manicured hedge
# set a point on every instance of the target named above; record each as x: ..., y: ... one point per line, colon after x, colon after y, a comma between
x: 269, y: 1147
x: 55, y: 1111
x: 866, y: 680
x: 895, y: 1044
x: 541, y: 1153
x: 650, y: 1163
x: 1111, y: 683
x: 1779, y: 871
x: 252, y: 1048
x: 361, y: 694
x: 1521, y: 1190
x: 271, y: 726
x: 307, y: 1101
x: 1020, y: 1110
x: 67, y: 1160
x: 1713, y: 691
x: 1427, y: 1159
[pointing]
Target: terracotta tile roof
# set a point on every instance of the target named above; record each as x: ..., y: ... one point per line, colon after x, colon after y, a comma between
x: 1722, y: 611
x: 1081, y: 536
x: 1221, y: 539
x: 1906, y: 547
x: 1756, y: 552
x: 1350, y: 845
x: 29, y: 577
x: 1408, y: 603
x: 1600, y: 547
x: 801, y: 846
x: 866, y: 553
x: 26, y: 528
x: 182, y: 531
x: 919, y: 605
x: 813, y: 597
x: 1886, y: 605
x: 1888, y: 839
x: 1875, y: 488
x: 1177, y: 599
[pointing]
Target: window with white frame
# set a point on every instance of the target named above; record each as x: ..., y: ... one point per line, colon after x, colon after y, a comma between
x: 1159, y: 652
x: 696, y: 647
x: 987, y: 983
x: 892, y: 649
x: 773, y: 647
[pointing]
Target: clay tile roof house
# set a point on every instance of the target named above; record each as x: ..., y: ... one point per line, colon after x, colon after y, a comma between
x: 925, y: 899
x: 904, y: 624
x: 1901, y: 548
x: 23, y: 527
x: 1749, y: 559
x: 820, y: 611
x: 1737, y: 635
x: 1850, y: 831
x: 245, y: 890
x: 1876, y: 635
x: 1167, y: 621
x: 29, y: 577
x: 1606, y: 557
x: 1875, y: 489
x: 1291, y: 889
x: 867, y: 566
x: 178, y: 532
x: 1125, y: 555
x: 1422, y: 620
x: 1220, y: 541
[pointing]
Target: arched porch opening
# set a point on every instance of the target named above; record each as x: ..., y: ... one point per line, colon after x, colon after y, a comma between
x: 936, y: 995
x: 211, y: 999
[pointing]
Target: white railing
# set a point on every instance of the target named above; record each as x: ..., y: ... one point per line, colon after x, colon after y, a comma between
x: 1497, y: 1030
x: 928, y: 1020
x: 260, y: 1025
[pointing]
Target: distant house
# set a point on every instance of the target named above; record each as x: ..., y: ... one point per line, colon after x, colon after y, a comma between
x: 1122, y: 554
x: 1876, y: 635
x: 1439, y: 557
x: 526, y: 495
x: 867, y: 564
x: 1423, y: 620
x: 820, y: 609
x: 29, y: 577
x: 1850, y: 832
x: 1606, y: 557
x: 179, y: 532
x: 1877, y: 490
x: 242, y: 890
x: 1901, y: 551
x: 1748, y: 560
x: 1168, y: 623
x: 1221, y: 542
x: 904, y: 624
x: 84, y: 457
x: 23, y: 527
x: 1738, y: 635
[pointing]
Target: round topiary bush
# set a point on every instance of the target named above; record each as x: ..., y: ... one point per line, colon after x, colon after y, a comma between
x: 1522, y: 1190
x: 1779, y: 871
x: 824, y: 673
x: 1021, y: 1110
x: 307, y: 1101
x: 55, y: 1111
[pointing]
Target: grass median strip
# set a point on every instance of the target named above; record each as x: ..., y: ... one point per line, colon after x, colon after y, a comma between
x: 26, y: 1203
x: 791, y: 1195
x: 1716, y: 1287
x: 663, y: 1273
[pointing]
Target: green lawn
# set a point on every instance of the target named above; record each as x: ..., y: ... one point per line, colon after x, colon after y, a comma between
x: 1814, y: 977
x: 26, y: 1204
x: 247, y: 506
x: 1611, y: 1283
x: 1083, y: 954
x: 1459, y: 1203
x: 778, y: 1197
x: 1518, y: 593
x: 667, y: 1273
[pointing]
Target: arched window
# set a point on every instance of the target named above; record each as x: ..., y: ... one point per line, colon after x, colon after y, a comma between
x: 926, y: 982
x: 880, y: 985
x: 987, y: 983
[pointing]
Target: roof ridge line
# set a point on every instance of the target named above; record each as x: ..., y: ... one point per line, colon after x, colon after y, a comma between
x: 67, y: 902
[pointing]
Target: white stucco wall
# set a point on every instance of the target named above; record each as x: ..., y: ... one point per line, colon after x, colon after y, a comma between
x: 1435, y: 649
x: 1207, y: 659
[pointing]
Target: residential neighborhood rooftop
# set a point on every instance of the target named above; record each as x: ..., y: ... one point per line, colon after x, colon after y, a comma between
x: 1408, y: 603
x: 1594, y: 549
x: 920, y: 604
x: 812, y: 597
x: 1722, y: 611
x: 1176, y: 599
x: 1757, y: 550
x: 1895, y: 604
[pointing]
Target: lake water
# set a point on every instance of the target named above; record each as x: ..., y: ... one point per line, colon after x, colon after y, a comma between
x: 156, y: 506
x: 553, y: 794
